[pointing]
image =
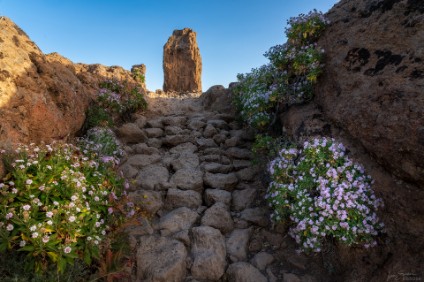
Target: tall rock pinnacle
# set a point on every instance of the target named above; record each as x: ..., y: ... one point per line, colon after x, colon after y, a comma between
x: 182, y: 64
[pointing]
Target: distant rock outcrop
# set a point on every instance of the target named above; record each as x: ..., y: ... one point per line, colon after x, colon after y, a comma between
x: 182, y: 64
x: 374, y: 79
x: 44, y: 97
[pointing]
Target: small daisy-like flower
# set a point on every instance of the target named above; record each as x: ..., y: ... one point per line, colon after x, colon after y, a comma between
x: 34, y: 235
x: 67, y: 250
x: 26, y: 207
x: 9, y: 227
x: 45, y: 239
x: 72, y: 218
x: 22, y: 243
x: 49, y: 214
x: 9, y: 215
x: 14, y: 190
x: 28, y: 182
x: 49, y: 222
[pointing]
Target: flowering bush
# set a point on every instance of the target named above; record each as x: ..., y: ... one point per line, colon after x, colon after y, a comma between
x: 57, y: 204
x: 323, y: 193
x: 114, y: 101
x: 288, y: 78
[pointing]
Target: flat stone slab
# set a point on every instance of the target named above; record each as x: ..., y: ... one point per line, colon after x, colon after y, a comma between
x: 221, y: 180
x: 179, y: 198
x: 208, y: 251
x: 161, y: 259
x: 188, y: 179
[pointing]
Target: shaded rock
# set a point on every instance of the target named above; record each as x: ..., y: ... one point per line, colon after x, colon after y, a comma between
x: 248, y: 173
x: 153, y: 132
x: 209, y: 131
x: 291, y: 277
x: 183, y: 237
x: 218, y: 123
x: 179, y: 219
x: 182, y: 64
x: 217, y: 98
x: 128, y: 171
x: 150, y: 201
x: 372, y: 86
x: 208, y: 251
x: 237, y: 244
x: 152, y: 176
x: 258, y: 216
x: 185, y: 160
x: 174, y: 140
x: 184, y: 147
x: 217, y: 168
x: 262, y: 260
x: 178, y: 121
x: 205, y: 143
x: 140, y: 161
x: 188, y: 179
x: 220, y: 138
x: 131, y: 133
x: 155, y: 122
x: 244, y: 272
x: 196, y: 124
x: 154, y: 142
x: 239, y: 153
x: 232, y: 142
x: 243, y: 198
x: 178, y: 198
x: 213, y: 196
x: 141, y: 121
x: 240, y: 164
x: 143, y: 149
x: 173, y: 130
x: 219, y: 217
x: 161, y: 259
x: 220, y: 180
x: 143, y: 227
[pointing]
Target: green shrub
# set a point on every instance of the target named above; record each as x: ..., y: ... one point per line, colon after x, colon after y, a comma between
x: 322, y: 193
x: 115, y: 102
x: 288, y: 79
x: 57, y: 205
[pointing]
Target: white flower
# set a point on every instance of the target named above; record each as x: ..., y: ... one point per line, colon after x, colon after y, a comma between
x: 74, y: 197
x: 98, y: 224
x: 48, y: 167
x: 49, y: 214
x: 34, y: 235
x: 72, y: 218
x: 26, y: 207
x: 46, y: 239
x: 49, y: 222
x: 22, y: 243
x: 28, y: 181
x: 42, y: 187
x: 67, y: 250
x: 55, y: 203
x: 71, y: 204
x: 33, y: 228
x: 9, y: 227
x: 14, y: 190
x: 96, y: 199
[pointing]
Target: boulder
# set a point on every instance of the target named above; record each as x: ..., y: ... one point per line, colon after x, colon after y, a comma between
x: 219, y: 217
x: 373, y: 80
x: 237, y: 244
x: 208, y: 251
x: 218, y: 98
x: 152, y: 176
x: 213, y: 196
x: 131, y: 133
x: 244, y: 272
x: 161, y: 259
x: 262, y: 260
x: 220, y: 180
x: 177, y: 220
x: 188, y: 179
x: 182, y: 64
x: 178, y: 198
x: 150, y: 201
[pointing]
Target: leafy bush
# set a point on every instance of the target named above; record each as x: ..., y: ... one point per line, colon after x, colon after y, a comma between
x: 288, y: 78
x: 57, y: 204
x: 115, y: 101
x: 323, y: 194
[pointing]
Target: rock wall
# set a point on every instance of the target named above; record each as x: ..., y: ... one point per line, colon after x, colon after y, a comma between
x: 182, y: 64
x: 374, y: 79
x: 44, y: 97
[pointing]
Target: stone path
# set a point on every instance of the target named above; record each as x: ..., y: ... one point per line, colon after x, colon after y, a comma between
x: 191, y: 170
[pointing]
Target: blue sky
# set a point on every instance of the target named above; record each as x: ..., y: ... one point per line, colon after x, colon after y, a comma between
x: 232, y: 34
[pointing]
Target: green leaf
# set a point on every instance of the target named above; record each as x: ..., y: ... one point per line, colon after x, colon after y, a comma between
x: 53, y: 256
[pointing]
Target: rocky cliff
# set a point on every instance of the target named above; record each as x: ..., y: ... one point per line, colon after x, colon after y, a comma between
x: 182, y: 64
x: 371, y: 98
x: 44, y: 97
x: 373, y: 86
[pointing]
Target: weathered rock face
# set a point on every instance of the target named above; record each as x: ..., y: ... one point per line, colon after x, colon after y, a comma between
x: 44, y: 97
x: 374, y: 79
x: 182, y: 64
